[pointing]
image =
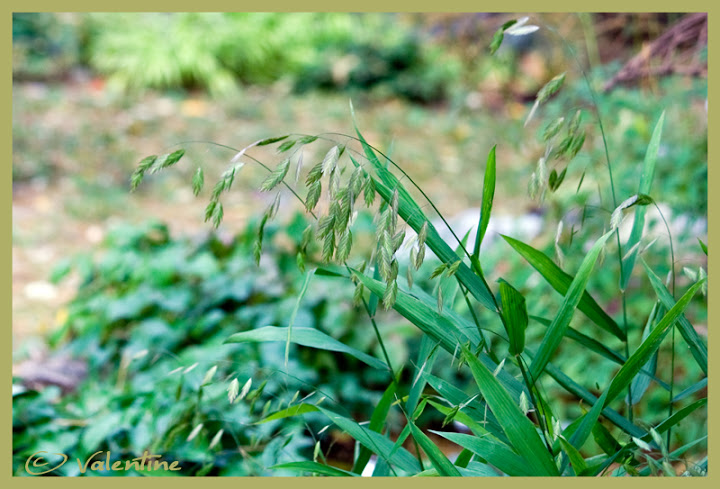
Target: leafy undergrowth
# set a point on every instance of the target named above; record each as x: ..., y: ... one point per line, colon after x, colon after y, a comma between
x: 140, y: 358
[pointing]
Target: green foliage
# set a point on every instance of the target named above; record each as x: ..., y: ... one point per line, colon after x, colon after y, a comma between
x: 503, y: 401
x: 389, y: 65
x: 508, y: 382
x: 215, y: 51
x: 44, y: 44
x: 150, y: 319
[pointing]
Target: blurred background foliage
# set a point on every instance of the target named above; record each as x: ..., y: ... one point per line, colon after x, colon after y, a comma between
x: 93, y: 93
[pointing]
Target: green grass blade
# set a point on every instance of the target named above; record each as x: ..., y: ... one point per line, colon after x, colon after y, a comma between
x: 377, y: 420
x: 640, y: 383
x: 487, y: 201
x: 649, y: 345
x: 597, y: 347
x: 605, y: 440
x: 378, y: 444
x: 576, y: 389
x: 691, y: 390
x: 306, y: 337
x: 301, y: 295
x: 494, y: 452
x: 676, y: 453
x: 518, y: 428
x: 426, y: 359
x: 575, y: 292
x: 581, y: 433
x: 290, y: 412
x: 441, y: 328
x: 514, y: 311
x: 479, y: 428
x: 646, y: 179
x: 477, y: 413
x: 464, y: 458
x: 314, y: 468
x: 576, y: 459
x: 697, y: 348
x: 703, y: 246
x: 437, y: 458
x: 560, y: 281
x: 678, y: 416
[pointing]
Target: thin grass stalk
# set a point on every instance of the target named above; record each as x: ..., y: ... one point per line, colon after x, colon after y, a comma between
x: 538, y: 409
x: 672, y: 342
x: 595, y: 103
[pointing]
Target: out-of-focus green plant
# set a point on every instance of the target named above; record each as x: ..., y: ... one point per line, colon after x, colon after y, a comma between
x: 149, y: 321
x: 44, y: 44
x: 216, y: 51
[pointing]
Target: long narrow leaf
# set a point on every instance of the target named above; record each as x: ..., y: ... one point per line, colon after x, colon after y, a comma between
x: 691, y: 390
x: 556, y: 330
x: 476, y: 410
x: 314, y: 468
x: 496, y: 453
x: 306, y: 337
x: 576, y: 459
x: 300, y: 297
x: 289, y: 412
x: 487, y: 201
x: 576, y: 389
x: 516, y: 318
x: 595, y: 346
x: 560, y: 281
x: 646, y: 179
x: 676, y: 417
x: 649, y: 345
x: 640, y: 383
x: 518, y: 428
x: 437, y: 458
x: 377, y: 420
x: 426, y: 359
x: 697, y: 348
x: 439, y: 327
x: 377, y: 443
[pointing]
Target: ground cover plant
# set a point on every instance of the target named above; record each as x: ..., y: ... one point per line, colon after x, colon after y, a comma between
x: 481, y: 318
x: 149, y: 320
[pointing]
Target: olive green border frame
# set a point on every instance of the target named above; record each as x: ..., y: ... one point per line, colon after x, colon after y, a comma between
x: 325, y: 5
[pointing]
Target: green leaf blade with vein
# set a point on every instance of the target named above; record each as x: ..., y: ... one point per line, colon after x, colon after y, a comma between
x: 377, y: 420
x: 646, y: 179
x: 437, y: 458
x: 423, y: 314
x: 560, y: 281
x: 496, y: 453
x: 487, y: 201
x: 599, y: 348
x: 518, y: 428
x: 289, y: 412
x: 514, y: 311
x: 314, y: 468
x: 581, y: 392
x: 378, y: 444
x: 576, y: 290
x: 697, y: 347
x: 306, y: 337
x: 650, y: 345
